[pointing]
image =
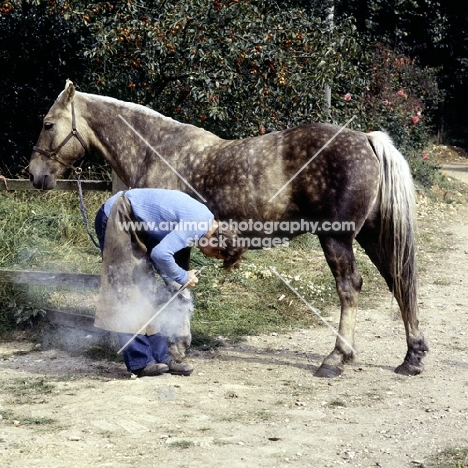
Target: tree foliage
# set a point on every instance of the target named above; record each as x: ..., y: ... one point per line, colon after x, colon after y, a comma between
x: 36, y: 53
x: 235, y: 67
x: 436, y: 32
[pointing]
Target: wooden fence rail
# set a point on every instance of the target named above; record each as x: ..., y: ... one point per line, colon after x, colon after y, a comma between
x: 48, y: 278
x: 86, y: 185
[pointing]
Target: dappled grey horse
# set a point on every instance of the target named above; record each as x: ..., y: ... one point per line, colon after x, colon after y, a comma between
x: 356, y: 177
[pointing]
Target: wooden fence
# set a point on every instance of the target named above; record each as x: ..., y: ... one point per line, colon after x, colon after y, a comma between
x: 47, y: 278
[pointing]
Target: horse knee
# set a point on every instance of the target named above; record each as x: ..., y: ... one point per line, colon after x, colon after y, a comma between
x: 357, y: 280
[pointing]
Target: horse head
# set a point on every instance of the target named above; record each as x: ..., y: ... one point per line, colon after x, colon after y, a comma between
x: 59, y: 144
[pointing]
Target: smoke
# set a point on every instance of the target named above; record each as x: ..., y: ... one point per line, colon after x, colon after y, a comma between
x: 174, y: 319
x: 134, y: 299
x: 76, y: 341
x: 149, y: 296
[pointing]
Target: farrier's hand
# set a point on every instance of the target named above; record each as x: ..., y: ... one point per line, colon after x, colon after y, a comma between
x: 193, y: 280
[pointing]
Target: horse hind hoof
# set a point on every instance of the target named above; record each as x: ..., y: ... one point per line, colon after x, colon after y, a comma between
x: 327, y: 371
x: 408, y: 369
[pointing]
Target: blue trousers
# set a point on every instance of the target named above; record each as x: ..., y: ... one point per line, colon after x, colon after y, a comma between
x: 143, y: 349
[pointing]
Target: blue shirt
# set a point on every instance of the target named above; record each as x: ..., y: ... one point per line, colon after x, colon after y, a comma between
x: 171, y: 217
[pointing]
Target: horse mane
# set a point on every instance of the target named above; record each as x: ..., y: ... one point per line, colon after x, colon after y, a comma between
x: 134, y: 107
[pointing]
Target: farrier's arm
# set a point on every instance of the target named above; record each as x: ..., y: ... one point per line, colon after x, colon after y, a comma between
x: 163, y: 255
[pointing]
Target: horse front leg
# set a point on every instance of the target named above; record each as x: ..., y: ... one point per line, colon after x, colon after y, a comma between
x: 179, y: 342
x: 340, y: 258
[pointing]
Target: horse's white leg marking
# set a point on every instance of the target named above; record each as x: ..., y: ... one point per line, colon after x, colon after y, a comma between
x: 340, y: 258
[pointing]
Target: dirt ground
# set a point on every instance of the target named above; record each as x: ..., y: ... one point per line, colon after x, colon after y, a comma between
x: 256, y: 403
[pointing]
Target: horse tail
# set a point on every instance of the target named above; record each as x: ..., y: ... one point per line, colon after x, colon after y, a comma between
x: 398, y: 223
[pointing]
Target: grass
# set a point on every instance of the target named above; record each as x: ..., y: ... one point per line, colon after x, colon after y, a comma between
x: 45, y: 231
x: 337, y: 403
x: 42, y: 231
x: 263, y: 415
x: 205, y: 429
x: 37, y: 420
x: 27, y: 391
x: 450, y: 457
x: 182, y: 444
x: 374, y: 394
x: 253, y: 300
x: 8, y: 415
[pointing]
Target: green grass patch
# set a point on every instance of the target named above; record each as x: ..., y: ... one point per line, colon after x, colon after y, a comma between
x: 263, y: 415
x: 374, y: 394
x: 37, y: 420
x: 10, y: 416
x: 253, y: 299
x: 337, y: 403
x: 450, y: 457
x: 44, y: 231
x: 182, y: 444
x: 205, y: 429
x: 27, y: 391
x: 230, y: 418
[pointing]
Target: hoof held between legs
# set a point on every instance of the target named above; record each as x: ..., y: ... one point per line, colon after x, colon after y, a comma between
x: 177, y: 352
x: 178, y: 347
x: 408, y: 369
x: 327, y: 371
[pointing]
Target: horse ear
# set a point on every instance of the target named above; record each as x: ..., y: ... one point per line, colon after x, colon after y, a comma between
x: 69, y: 92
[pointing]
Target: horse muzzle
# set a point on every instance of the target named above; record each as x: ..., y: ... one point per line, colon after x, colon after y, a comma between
x: 42, y: 181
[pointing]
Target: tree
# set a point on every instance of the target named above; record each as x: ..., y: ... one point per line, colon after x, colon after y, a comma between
x: 238, y: 68
x: 434, y: 32
x: 36, y: 55
x: 235, y: 67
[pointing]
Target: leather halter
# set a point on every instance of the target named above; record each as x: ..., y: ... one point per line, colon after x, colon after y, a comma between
x: 53, y: 155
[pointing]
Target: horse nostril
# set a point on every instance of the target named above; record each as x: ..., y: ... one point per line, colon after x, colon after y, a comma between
x: 31, y: 178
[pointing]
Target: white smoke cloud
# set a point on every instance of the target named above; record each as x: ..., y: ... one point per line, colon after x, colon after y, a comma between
x: 174, y: 320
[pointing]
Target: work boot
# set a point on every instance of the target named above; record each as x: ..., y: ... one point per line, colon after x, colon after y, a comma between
x: 155, y: 368
x: 179, y: 368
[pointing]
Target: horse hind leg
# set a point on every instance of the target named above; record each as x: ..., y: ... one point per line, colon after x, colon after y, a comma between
x: 340, y: 258
x: 369, y: 239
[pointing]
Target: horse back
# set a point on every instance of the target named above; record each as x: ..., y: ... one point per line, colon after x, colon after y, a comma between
x: 314, y: 171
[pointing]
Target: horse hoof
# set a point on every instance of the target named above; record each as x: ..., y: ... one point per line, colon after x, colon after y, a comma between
x: 327, y: 371
x: 408, y: 369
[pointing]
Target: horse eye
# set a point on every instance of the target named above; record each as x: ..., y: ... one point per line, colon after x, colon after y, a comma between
x: 48, y: 126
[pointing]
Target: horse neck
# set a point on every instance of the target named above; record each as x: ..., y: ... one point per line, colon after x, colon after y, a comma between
x: 132, y: 138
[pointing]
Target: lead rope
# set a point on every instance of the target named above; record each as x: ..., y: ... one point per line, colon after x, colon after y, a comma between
x: 83, y: 208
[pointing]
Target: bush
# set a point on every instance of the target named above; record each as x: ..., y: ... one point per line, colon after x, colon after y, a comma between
x: 425, y: 173
x: 237, y: 69
x: 394, y: 94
